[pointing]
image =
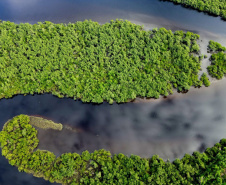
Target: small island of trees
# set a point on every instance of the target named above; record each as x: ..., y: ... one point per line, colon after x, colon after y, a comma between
x: 18, y: 140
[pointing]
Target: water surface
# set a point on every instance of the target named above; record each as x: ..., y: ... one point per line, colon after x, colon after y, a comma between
x: 153, y: 12
x: 172, y: 127
x: 180, y: 124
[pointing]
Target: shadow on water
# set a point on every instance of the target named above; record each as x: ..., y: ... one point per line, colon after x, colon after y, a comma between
x: 171, y: 127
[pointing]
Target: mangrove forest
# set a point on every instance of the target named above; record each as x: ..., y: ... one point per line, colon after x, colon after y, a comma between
x: 19, y: 141
x: 116, y: 61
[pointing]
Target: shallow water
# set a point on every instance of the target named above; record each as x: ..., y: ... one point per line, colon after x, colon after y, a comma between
x: 169, y: 127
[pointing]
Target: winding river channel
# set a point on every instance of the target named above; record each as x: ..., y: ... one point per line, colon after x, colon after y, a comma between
x: 171, y: 127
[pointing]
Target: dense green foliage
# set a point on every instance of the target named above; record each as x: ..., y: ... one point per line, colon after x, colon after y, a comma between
x: 217, y: 68
x: 18, y: 140
x: 117, y: 61
x: 205, y: 80
x: 215, y: 7
x: 215, y: 46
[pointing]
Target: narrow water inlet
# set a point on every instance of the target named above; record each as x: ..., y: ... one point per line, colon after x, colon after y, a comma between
x: 171, y: 127
x: 66, y: 141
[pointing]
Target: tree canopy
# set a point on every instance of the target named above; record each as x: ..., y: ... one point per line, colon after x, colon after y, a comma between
x: 215, y: 46
x: 18, y: 140
x: 116, y: 61
x: 217, y: 68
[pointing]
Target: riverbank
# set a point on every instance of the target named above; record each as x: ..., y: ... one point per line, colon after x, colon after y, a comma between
x: 72, y: 168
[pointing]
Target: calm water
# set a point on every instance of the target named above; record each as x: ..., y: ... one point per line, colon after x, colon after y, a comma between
x: 146, y: 11
x: 179, y: 124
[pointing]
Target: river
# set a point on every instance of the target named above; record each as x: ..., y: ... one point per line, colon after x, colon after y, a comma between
x: 171, y: 127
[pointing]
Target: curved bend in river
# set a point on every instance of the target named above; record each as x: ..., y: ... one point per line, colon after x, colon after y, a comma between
x: 18, y: 141
x: 116, y: 61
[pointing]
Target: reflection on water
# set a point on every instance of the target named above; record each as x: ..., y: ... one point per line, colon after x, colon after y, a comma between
x: 171, y: 127
x: 145, y: 11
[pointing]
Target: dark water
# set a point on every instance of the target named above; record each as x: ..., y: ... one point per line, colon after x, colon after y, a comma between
x: 172, y: 127
x: 154, y: 12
